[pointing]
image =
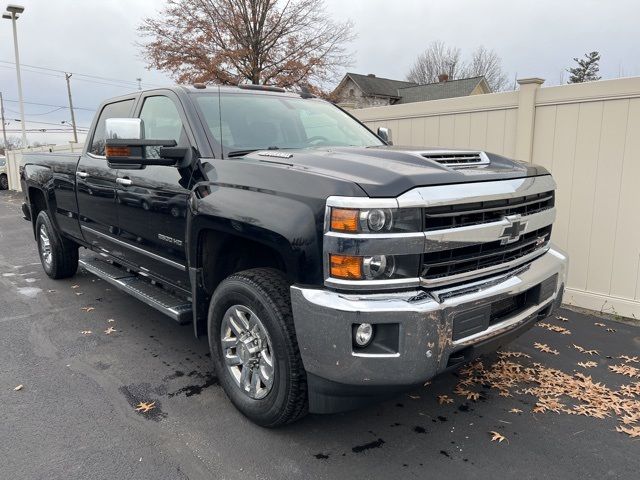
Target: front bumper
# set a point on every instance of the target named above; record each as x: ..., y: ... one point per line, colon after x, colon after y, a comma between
x: 324, y: 321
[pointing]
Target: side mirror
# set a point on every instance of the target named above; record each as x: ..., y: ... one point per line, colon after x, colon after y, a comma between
x: 125, y: 147
x: 385, y: 134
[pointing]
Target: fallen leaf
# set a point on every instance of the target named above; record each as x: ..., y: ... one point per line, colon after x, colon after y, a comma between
x: 545, y: 348
x: 611, y: 330
x: 562, y: 319
x: 18, y: 388
x: 51, y: 291
x: 88, y: 309
x: 111, y: 320
x: 75, y: 286
x: 598, y: 324
x: 587, y: 364
x: 624, y: 369
x: 554, y: 328
x: 86, y: 332
x: 497, y: 437
x: 633, y: 432
x: 515, y: 410
x: 110, y: 330
x: 79, y: 293
x: 444, y: 399
x: 144, y: 407
x: 628, y: 359
x: 475, y: 396
x: 414, y: 397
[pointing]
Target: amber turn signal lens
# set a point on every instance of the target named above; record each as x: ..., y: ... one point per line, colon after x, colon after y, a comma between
x: 347, y: 267
x: 344, y: 220
x: 112, y: 151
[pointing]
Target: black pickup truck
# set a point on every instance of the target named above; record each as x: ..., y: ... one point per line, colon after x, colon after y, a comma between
x: 326, y: 266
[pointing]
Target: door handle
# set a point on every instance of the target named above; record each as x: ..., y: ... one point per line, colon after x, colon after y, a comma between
x: 124, y: 181
x: 82, y: 174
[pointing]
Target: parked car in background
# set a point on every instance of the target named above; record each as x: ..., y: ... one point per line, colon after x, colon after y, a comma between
x: 4, y: 180
x: 326, y: 266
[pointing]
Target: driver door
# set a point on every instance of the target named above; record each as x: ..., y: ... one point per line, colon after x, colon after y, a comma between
x: 152, y: 204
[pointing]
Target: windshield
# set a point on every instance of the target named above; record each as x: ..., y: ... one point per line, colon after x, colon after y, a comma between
x: 242, y: 123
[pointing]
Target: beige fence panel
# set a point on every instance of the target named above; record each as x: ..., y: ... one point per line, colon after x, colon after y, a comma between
x: 14, y: 160
x: 588, y: 135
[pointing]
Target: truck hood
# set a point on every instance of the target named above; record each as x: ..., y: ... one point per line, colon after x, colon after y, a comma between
x: 392, y: 170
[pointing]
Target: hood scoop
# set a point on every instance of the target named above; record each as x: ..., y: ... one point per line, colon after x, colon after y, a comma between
x: 454, y: 159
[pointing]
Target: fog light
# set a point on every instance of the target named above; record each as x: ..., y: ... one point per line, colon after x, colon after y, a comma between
x: 364, y: 334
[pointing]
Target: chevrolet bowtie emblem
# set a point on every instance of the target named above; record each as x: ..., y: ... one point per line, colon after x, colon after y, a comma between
x: 515, y: 229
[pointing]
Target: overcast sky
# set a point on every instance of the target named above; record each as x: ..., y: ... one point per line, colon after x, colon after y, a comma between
x: 97, y: 37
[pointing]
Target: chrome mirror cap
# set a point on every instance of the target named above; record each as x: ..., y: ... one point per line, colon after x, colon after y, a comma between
x: 124, y: 128
x: 385, y: 134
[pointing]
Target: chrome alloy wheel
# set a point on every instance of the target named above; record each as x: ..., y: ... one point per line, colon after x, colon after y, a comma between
x: 45, y: 246
x: 247, y: 351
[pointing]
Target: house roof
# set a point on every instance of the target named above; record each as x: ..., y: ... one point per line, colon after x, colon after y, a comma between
x: 371, y: 85
x: 436, y: 91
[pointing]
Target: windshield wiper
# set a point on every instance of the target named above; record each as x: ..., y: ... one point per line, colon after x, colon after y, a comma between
x: 242, y: 153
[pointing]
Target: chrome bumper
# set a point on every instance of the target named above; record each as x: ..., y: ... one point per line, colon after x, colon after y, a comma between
x: 324, y: 321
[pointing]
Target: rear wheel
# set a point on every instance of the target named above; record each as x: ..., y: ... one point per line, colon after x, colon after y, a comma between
x: 4, y: 182
x: 59, y: 256
x: 254, y: 348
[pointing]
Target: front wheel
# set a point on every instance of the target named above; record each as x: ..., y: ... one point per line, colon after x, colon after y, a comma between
x: 254, y: 348
x: 4, y: 182
x: 59, y: 256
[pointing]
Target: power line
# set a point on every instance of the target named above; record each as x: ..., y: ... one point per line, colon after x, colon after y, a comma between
x: 37, y: 114
x: 119, y: 80
x: 42, y: 123
x: 51, y: 105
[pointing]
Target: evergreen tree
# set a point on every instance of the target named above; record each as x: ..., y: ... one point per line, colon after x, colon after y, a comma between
x: 587, y: 69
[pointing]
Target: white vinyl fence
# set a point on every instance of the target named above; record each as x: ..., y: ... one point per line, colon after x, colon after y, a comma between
x: 14, y: 158
x: 588, y: 136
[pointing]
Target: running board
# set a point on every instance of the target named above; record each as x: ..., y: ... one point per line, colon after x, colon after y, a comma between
x: 156, y: 297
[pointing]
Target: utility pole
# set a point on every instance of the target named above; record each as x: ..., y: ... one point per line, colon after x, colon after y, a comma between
x: 13, y: 12
x: 4, y: 130
x: 139, y: 80
x: 67, y: 76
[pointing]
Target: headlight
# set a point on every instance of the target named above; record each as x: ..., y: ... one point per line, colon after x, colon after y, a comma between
x: 376, y: 220
x: 375, y: 267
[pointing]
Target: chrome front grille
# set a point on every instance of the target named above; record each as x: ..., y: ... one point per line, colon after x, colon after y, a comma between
x: 448, y: 263
x: 455, y: 216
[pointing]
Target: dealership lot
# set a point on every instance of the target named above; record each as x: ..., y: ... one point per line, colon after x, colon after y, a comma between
x: 75, y: 415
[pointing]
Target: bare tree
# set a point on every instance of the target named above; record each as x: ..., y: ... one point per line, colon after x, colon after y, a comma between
x: 436, y: 60
x: 13, y: 143
x: 487, y: 63
x: 277, y: 42
x: 440, y: 59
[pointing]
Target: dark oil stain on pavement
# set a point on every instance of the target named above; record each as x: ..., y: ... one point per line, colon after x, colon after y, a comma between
x: 143, y: 393
x: 189, y: 390
x: 321, y: 456
x: 419, y: 429
x: 368, y: 446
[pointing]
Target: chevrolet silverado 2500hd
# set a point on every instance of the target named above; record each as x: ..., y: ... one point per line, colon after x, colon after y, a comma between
x: 326, y: 266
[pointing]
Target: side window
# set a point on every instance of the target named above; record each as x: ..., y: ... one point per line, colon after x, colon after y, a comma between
x: 112, y: 110
x: 161, y: 119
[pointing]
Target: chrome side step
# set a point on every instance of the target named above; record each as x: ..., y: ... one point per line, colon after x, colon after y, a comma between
x: 172, y: 306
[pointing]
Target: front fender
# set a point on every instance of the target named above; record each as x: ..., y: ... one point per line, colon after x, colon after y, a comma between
x: 292, y: 226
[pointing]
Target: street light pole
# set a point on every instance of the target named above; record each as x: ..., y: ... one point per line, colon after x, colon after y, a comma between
x: 13, y: 12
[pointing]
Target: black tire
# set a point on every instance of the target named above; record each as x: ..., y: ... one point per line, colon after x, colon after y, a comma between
x: 266, y: 292
x: 63, y: 261
x: 4, y: 182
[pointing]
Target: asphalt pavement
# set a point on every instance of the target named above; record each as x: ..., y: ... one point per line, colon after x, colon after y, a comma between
x: 75, y: 416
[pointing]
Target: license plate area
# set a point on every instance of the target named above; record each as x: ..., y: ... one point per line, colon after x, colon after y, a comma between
x: 479, y: 318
